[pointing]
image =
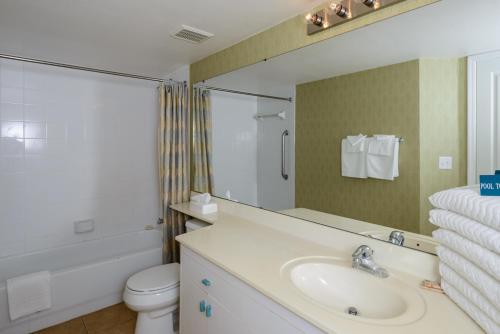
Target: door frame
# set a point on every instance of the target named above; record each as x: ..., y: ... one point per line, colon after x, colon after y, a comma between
x: 472, y: 112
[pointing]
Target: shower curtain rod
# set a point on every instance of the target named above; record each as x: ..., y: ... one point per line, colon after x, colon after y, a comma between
x: 289, y: 99
x: 82, y: 68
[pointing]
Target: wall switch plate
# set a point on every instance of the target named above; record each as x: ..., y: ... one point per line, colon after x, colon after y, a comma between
x: 445, y: 162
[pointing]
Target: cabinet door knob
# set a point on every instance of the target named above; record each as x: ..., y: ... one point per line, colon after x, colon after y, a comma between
x: 208, y: 311
x: 203, y: 306
x: 206, y: 282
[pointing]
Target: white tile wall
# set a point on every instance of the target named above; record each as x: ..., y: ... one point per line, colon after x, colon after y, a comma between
x: 73, y: 146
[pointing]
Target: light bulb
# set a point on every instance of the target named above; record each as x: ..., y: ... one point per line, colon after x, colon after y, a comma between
x: 341, y: 11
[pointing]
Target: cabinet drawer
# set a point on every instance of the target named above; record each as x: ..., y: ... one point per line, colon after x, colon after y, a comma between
x: 194, y: 272
x: 227, y: 291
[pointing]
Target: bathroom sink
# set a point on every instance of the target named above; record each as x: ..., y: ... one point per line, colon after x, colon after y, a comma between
x: 334, y: 285
x: 415, y: 241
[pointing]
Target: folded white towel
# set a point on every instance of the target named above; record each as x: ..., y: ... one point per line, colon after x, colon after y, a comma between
x: 473, y: 311
x: 29, y: 294
x: 382, y: 161
x: 356, y: 143
x: 468, y: 228
x: 201, y: 198
x: 470, y: 292
x: 482, y: 257
x: 382, y: 145
x: 468, y: 202
x: 353, y: 163
x: 482, y: 281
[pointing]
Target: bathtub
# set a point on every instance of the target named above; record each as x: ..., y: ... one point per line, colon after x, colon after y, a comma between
x: 85, y: 277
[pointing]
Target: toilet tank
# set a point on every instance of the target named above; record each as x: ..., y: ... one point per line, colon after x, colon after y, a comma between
x: 194, y: 224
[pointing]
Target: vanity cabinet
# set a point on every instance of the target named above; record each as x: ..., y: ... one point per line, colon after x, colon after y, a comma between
x: 213, y: 301
x: 201, y: 314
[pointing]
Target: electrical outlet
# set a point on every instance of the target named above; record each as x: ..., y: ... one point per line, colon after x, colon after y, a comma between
x: 445, y: 162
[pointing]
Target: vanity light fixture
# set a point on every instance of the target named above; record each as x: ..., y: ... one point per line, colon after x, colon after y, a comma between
x: 336, y: 12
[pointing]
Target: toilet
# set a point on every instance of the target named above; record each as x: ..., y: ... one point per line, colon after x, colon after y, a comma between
x: 154, y: 294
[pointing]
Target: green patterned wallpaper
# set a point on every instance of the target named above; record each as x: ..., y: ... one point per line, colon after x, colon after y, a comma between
x: 285, y: 37
x: 423, y: 101
x: 379, y: 101
x: 443, y: 128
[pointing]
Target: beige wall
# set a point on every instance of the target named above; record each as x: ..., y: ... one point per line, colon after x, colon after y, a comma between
x: 443, y: 128
x: 378, y: 101
x: 285, y: 37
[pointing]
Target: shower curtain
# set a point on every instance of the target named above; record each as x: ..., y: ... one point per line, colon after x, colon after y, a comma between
x: 173, y: 145
x: 202, y: 141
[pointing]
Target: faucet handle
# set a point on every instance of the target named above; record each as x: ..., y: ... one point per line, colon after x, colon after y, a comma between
x: 363, y: 252
x: 397, y: 238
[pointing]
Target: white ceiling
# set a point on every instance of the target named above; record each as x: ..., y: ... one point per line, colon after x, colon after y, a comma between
x: 133, y: 35
x: 450, y: 28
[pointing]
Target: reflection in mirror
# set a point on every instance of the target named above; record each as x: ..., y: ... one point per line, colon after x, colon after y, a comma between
x: 402, y: 83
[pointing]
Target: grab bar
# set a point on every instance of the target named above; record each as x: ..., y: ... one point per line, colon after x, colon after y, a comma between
x: 284, y: 175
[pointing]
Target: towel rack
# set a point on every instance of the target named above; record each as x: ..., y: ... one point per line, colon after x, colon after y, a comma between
x: 281, y: 115
x: 400, y: 139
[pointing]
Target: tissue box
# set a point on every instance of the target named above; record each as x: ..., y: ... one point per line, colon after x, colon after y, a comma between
x: 203, y: 208
x: 489, y: 185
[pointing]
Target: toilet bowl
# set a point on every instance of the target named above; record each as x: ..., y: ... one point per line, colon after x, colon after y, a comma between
x: 154, y: 294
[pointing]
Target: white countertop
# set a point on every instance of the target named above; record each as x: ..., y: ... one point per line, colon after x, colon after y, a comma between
x: 245, y: 243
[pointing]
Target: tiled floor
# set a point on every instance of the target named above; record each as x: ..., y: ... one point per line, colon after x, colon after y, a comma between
x: 116, y: 319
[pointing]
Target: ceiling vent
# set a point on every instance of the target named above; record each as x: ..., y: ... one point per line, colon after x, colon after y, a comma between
x: 192, y: 35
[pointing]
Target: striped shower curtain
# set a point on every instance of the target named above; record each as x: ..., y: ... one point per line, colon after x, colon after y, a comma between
x: 202, y: 141
x: 173, y: 146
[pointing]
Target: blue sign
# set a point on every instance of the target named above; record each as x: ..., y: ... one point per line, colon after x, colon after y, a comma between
x: 490, y: 184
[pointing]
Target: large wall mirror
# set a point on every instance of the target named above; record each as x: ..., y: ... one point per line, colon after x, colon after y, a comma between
x: 402, y: 83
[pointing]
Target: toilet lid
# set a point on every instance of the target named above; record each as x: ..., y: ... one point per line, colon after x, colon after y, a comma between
x: 155, y: 278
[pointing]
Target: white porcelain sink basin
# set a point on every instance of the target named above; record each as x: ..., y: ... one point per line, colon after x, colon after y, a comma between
x: 336, y: 286
x: 415, y: 241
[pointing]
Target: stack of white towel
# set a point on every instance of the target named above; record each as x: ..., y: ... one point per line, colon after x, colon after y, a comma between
x: 376, y: 157
x: 469, y: 254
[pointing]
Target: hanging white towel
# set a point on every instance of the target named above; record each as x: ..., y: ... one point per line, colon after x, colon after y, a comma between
x: 356, y: 143
x: 353, y: 159
x: 29, y: 294
x: 468, y: 202
x: 382, y: 161
x: 485, y: 283
x: 469, y: 292
x: 483, y: 258
x: 383, y: 145
x: 473, y: 311
x: 468, y: 228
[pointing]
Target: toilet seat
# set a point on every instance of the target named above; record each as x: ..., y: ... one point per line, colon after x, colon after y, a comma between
x: 155, y: 280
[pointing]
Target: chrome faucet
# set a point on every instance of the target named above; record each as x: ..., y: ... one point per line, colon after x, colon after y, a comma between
x: 362, y: 258
x: 397, y: 238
